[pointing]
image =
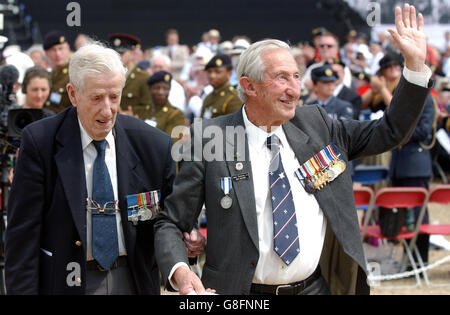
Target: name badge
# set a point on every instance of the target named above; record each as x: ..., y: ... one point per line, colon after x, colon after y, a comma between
x: 143, y: 206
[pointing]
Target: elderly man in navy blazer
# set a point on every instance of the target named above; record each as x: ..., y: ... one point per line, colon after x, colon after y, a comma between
x: 86, y: 187
x: 279, y: 202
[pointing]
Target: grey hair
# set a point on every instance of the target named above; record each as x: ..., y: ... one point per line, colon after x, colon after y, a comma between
x: 92, y: 60
x: 250, y: 62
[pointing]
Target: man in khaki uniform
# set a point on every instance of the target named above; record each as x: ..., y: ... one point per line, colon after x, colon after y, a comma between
x: 224, y: 99
x: 135, y: 91
x: 160, y: 113
x: 57, y: 50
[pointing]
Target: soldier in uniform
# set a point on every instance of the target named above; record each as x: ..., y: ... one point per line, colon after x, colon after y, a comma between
x: 224, y: 99
x: 160, y: 113
x: 57, y: 50
x: 135, y: 92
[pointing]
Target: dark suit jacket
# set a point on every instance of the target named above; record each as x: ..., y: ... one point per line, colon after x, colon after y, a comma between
x: 47, y: 205
x: 352, y: 97
x: 232, y: 245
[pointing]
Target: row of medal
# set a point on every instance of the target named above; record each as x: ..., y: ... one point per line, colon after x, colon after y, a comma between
x: 144, y: 206
x: 314, y: 174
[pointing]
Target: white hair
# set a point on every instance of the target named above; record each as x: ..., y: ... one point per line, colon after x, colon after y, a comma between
x: 250, y: 62
x: 92, y: 60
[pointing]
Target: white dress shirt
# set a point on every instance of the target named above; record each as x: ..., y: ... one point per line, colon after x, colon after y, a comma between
x: 311, y: 222
x: 89, y: 155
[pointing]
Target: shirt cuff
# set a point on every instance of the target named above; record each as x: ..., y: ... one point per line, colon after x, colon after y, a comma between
x: 418, y: 78
x: 174, y: 268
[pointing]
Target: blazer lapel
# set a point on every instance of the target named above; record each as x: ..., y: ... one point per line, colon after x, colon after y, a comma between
x: 304, y: 148
x: 70, y: 163
x: 243, y: 188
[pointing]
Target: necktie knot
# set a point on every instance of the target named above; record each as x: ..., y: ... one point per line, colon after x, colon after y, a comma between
x: 273, y: 142
x: 100, y: 146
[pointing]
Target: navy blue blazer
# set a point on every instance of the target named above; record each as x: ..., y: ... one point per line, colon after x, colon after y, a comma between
x: 412, y: 159
x: 336, y: 108
x: 47, y: 205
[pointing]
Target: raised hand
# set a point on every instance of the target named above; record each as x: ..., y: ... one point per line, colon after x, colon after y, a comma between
x: 410, y: 37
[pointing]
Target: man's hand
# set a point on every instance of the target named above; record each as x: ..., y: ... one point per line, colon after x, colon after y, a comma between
x: 195, y: 243
x: 410, y: 37
x: 188, y: 282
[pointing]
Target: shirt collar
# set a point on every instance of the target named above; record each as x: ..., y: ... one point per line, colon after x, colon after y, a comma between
x: 87, y: 140
x: 257, y: 137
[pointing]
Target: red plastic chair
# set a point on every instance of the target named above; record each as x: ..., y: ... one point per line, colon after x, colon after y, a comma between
x: 439, y: 194
x: 364, y: 200
x: 400, y: 197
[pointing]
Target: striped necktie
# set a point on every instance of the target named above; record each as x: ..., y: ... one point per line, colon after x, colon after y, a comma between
x: 285, y: 239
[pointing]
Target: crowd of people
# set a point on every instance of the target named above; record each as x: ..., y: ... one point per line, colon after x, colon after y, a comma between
x: 171, y: 85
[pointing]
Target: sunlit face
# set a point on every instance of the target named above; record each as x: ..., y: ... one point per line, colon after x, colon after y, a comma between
x: 58, y: 54
x: 97, y: 103
x: 277, y: 95
x: 160, y: 93
x: 37, y: 92
x: 218, y: 76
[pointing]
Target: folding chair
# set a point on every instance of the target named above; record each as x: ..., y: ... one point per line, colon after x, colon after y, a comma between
x: 364, y: 200
x: 439, y: 194
x: 370, y: 174
x: 400, y: 197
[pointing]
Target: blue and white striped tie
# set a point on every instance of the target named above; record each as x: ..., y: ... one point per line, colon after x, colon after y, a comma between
x: 285, y: 239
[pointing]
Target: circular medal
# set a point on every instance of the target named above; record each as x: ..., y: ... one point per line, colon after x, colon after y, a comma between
x: 226, y: 202
x: 309, y: 186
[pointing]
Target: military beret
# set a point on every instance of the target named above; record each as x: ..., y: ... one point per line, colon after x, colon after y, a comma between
x: 54, y: 38
x: 219, y: 60
x: 122, y: 42
x: 160, y: 76
x: 324, y: 73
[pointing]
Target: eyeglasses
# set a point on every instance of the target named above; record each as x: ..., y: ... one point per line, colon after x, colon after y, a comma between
x: 326, y: 45
x: 109, y: 208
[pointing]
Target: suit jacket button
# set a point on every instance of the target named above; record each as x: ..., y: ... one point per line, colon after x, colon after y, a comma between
x: 78, y: 243
x: 420, y: 149
x: 253, y: 264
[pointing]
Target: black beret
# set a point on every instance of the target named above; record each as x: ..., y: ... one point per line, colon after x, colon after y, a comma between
x: 122, y: 42
x: 389, y: 60
x: 160, y: 76
x: 219, y: 60
x: 324, y: 73
x: 53, y: 38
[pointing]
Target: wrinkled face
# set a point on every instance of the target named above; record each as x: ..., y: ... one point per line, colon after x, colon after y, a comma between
x: 38, y: 90
x: 218, y: 76
x: 58, y: 54
x: 328, y: 48
x: 277, y: 95
x: 160, y: 93
x: 97, y: 103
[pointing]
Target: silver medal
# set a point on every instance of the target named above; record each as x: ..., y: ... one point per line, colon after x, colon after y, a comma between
x: 226, y: 202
